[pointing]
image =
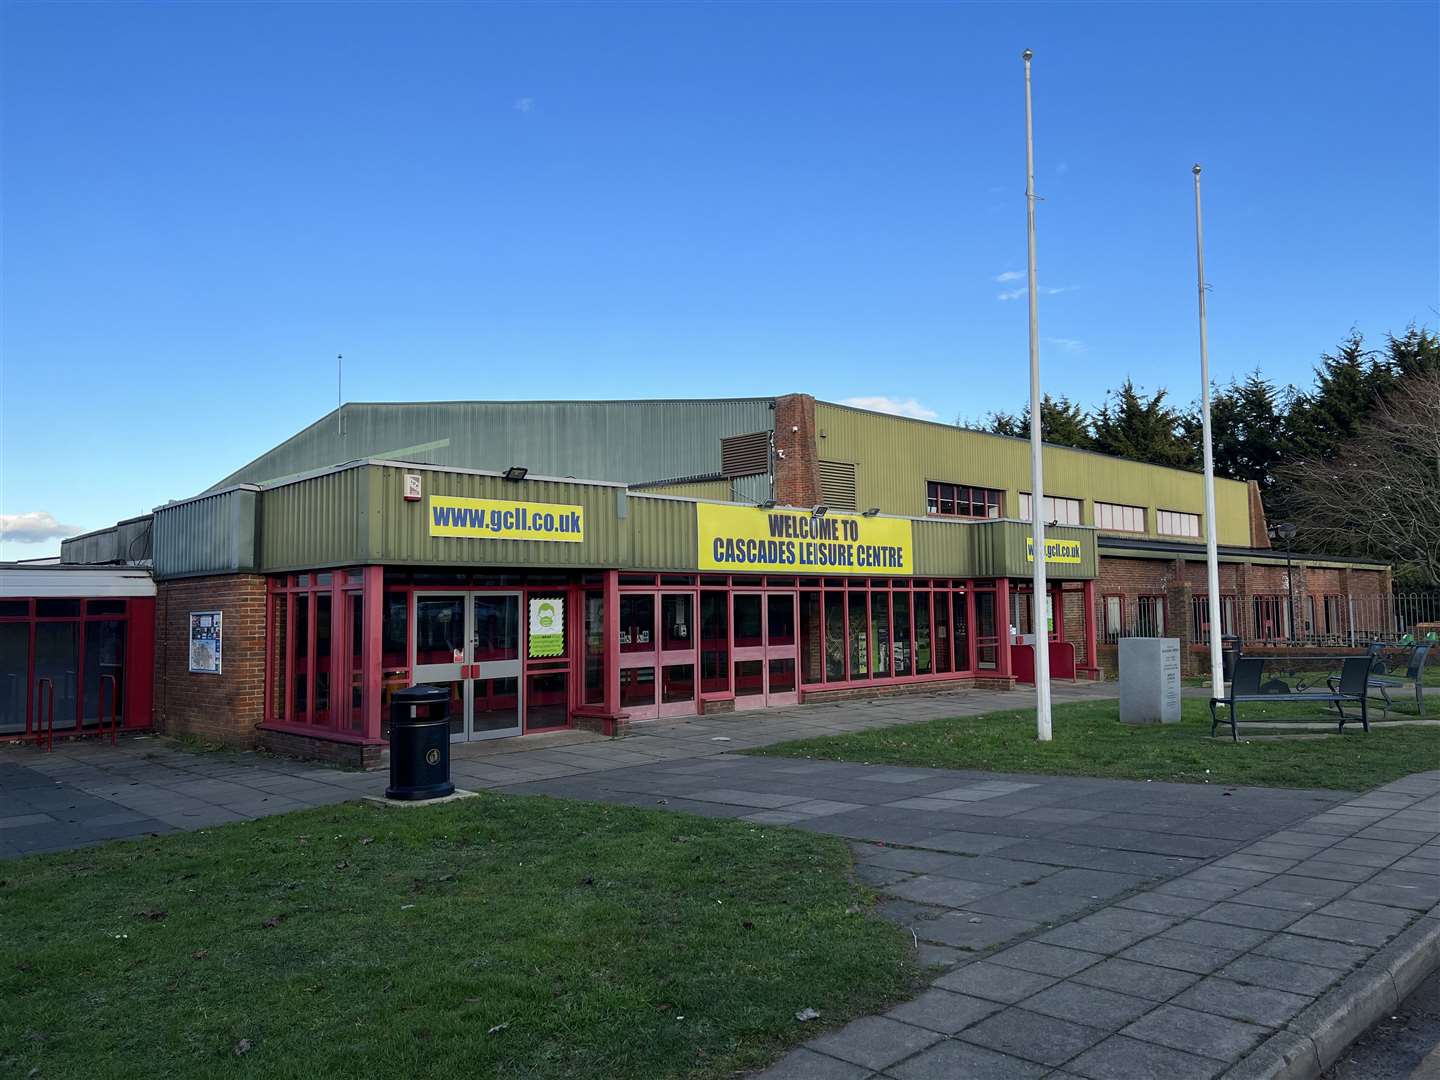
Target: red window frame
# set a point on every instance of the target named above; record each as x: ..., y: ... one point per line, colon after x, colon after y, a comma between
x: 944, y: 499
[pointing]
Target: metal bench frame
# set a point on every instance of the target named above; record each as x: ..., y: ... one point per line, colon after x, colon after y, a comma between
x: 1414, y: 676
x: 1353, y: 687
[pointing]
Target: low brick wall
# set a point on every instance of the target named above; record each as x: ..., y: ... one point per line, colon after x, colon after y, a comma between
x: 222, y: 708
x: 855, y: 693
x: 348, y: 754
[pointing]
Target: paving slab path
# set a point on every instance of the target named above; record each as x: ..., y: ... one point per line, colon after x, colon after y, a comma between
x: 88, y: 791
x: 1076, y: 927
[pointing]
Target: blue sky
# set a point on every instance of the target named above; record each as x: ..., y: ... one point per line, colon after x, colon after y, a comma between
x: 204, y: 203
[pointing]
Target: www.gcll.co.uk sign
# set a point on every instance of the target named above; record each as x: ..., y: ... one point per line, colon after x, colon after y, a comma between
x: 503, y: 519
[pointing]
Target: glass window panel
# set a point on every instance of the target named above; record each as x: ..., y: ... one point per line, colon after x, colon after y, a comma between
x: 677, y: 683
x: 105, y: 607
x: 637, y: 686
x: 497, y: 627
x: 57, y: 609
x: 439, y: 629
x: 594, y: 648
x: 880, y: 634
x: 835, y: 638
x: 782, y: 676
x: 395, y: 637
x: 355, y: 606
x: 714, y: 642
x: 942, y: 632
x: 15, y: 608
x: 322, y: 657
x: 300, y: 651
x: 279, y: 628
x: 104, y: 659
x: 57, y: 652
x: 781, y: 608
x: 749, y: 621
x: 749, y: 678
x: 14, y: 675
x: 496, y: 705
x: 901, y: 647
x: 922, y: 634
x: 637, y: 622
x: 547, y: 703
x: 677, y: 621
x: 987, y: 649
x: 812, y: 638
x: 859, y: 636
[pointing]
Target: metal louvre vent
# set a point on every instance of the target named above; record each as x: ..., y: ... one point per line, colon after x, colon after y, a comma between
x: 745, y: 455
x: 837, y: 484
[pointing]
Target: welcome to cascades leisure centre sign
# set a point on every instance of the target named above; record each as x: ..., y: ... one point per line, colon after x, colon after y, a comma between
x: 747, y: 539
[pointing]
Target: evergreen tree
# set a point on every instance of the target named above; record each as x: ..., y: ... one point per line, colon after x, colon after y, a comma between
x: 1349, y: 383
x: 1417, y: 353
x: 1250, y: 426
x: 1062, y: 422
x: 1132, y: 425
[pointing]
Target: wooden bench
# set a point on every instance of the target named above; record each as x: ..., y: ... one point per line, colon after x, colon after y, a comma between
x: 1247, y: 684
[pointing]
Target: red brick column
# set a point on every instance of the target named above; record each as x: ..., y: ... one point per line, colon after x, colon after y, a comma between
x: 797, y: 457
x: 222, y: 708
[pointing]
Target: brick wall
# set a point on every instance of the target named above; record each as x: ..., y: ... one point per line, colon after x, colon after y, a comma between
x: 797, y: 473
x: 220, y: 708
x: 1180, y: 581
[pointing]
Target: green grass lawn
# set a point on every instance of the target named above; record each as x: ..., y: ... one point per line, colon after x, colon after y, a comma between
x: 1089, y: 740
x: 496, y: 936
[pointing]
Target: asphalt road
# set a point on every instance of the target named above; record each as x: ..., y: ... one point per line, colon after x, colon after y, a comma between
x: 1405, y: 1046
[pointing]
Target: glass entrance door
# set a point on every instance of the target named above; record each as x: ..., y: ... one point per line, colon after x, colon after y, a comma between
x: 470, y: 643
x: 658, y: 654
x: 765, y: 649
x: 495, y: 669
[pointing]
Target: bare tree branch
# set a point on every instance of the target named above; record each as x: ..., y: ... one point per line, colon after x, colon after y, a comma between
x: 1379, y: 494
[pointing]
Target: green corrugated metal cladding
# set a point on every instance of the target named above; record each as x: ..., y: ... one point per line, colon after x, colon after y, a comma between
x: 360, y: 515
x: 617, y: 441
x: 895, y: 456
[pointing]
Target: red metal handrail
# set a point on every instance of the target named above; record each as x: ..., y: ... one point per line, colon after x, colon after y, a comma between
x: 48, y: 739
x: 114, y: 707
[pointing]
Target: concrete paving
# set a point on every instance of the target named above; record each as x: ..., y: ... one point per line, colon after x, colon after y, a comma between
x: 1076, y: 926
x: 87, y: 791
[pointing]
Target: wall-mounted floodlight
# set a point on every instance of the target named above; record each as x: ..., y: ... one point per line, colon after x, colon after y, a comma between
x: 871, y: 512
x: 516, y: 473
x: 768, y: 504
x: 820, y: 510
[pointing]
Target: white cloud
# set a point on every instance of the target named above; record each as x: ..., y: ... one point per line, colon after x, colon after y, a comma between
x: 1065, y: 344
x: 524, y: 105
x: 34, y: 527
x: 1016, y: 294
x: 909, y: 407
x: 1009, y: 275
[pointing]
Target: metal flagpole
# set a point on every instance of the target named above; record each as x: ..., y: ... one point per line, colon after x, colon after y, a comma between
x: 1212, y: 558
x: 1039, y: 600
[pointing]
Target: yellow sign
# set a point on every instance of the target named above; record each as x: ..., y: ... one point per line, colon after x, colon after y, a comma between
x: 501, y: 519
x: 746, y: 539
x: 1066, y: 551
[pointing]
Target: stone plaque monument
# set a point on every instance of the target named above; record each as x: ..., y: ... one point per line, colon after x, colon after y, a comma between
x: 1149, y: 680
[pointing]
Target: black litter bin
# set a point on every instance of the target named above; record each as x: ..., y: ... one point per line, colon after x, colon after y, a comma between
x: 420, y: 744
x: 1229, y: 650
